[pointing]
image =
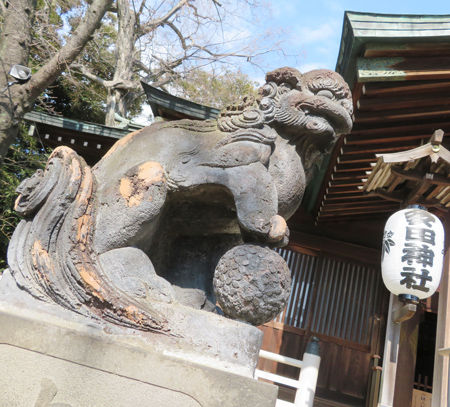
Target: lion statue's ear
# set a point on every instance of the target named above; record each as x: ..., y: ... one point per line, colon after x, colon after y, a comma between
x: 285, y: 75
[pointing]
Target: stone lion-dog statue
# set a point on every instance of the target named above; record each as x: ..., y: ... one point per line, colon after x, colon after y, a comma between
x: 175, y: 197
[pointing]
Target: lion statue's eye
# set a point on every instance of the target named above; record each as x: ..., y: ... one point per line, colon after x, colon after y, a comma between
x: 284, y: 88
x: 326, y: 93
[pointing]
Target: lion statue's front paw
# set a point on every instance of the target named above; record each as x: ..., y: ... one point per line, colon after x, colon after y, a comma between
x: 279, y: 231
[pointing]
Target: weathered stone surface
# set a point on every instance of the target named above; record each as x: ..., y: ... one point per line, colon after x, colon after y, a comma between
x: 172, y: 199
x: 134, y: 273
x: 49, y: 361
x: 196, y: 336
x: 252, y: 283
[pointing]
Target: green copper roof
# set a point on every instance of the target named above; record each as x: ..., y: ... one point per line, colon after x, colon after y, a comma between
x: 363, y: 30
x: 360, y: 29
x: 186, y: 107
x: 78, y: 125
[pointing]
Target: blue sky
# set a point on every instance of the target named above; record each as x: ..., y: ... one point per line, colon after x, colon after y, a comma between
x: 311, y: 30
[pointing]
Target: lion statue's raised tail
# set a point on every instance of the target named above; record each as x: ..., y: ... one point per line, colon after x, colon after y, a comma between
x: 50, y: 254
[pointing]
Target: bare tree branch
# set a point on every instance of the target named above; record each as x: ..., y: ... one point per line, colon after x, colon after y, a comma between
x: 178, y: 33
x: 140, y: 11
x: 140, y: 66
x: 162, y: 82
x: 113, y: 84
x: 151, y: 25
x: 2, y: 7
x: 88, y: 74
x: 175, y: 38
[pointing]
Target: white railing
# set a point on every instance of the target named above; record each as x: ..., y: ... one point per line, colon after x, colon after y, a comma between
x: 306, y: 384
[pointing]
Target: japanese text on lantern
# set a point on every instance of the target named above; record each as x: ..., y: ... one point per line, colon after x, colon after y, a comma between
x: 418, y: 250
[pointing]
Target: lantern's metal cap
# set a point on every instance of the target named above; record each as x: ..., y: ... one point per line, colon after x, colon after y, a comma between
x: 408, y: 298
x: 313, y: 346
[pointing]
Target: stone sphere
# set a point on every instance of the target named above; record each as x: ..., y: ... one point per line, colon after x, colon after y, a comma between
x: 252, y: 283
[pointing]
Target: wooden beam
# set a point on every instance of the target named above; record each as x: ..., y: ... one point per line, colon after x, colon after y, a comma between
x: 409, y: 155
x: 325, y: 338
x: 323, y: 188
x: 382, y: 139
x: 383, y: 49
x: 397, y: 103
x: 437, y: 137
x: 334, y: 198
x: 419, y: 176
x: 359, y: 217
x: 397, y: 196
x: 415, y: 195
x: 378, y: 149
x: 395, y: 129
x: 398, y: 115
x: 363, y: 158
x: 335, y: 247
x: 378, y: 209
x: 402, y: 69
x: 351, y: 167
x: 350, y: 205
x: 385, y: 88
x: 348, y: 176
x: 345, y: 183
x: 341, y: 190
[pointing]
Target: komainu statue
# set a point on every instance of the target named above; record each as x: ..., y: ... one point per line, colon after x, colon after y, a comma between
x: 181, y: 212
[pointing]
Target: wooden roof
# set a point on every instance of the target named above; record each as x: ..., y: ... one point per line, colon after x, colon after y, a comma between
x: 416, y: 176
x: 399, y: 69
x: 90, y: 140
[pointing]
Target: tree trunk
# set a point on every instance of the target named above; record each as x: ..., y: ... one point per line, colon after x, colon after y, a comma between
x: 110, y: 107
x: 18, y: 99
x: 14, y: 49
x: 123, y: 74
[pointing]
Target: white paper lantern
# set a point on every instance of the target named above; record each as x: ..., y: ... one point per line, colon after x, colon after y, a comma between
x: 412, y: 253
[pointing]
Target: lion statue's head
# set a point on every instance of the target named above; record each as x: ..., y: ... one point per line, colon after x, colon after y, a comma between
x: 316, y: 103
x: 310, y: 109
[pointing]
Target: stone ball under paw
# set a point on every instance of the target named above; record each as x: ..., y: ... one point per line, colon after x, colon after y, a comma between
x: 252, y: 283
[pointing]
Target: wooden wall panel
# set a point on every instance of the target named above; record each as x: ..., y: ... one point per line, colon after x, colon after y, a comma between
x: 343, y: 371
x: 343, y: 304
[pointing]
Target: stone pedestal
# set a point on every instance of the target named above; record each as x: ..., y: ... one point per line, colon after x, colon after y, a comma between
x: 63, y: 360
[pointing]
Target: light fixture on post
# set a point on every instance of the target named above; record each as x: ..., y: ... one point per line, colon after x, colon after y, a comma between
x: 412, y: 254
x: 20, y: 72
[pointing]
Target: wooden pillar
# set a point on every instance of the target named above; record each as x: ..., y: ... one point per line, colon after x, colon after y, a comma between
x: 390, y: 356
x: 406, y: 365
x: 441, y: 363
x: 399, y: 360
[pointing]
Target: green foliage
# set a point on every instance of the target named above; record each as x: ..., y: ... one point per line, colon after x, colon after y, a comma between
x: 217, y: 90
x: 72, y: 95
x: 79, y: 100
x: 24, y: 157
